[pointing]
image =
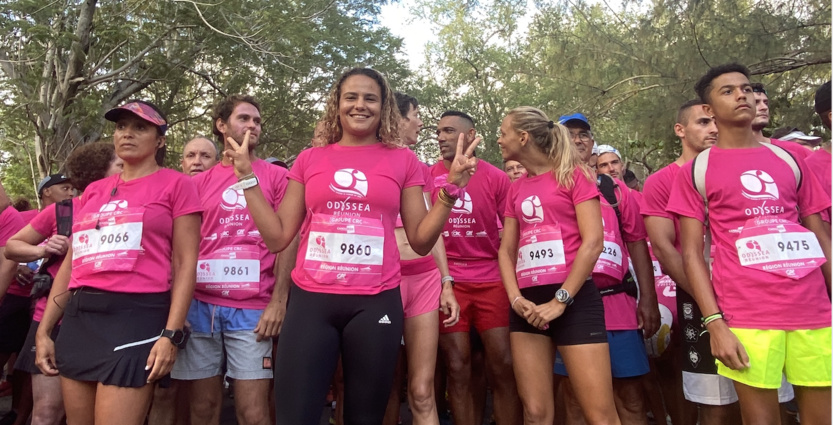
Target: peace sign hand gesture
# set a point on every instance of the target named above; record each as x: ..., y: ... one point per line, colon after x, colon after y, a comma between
x: 239, y: 155
x: 463, y: 165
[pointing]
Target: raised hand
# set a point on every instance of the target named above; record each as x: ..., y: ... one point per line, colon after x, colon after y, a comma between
x: 239, y: 155
x: 464, y: 164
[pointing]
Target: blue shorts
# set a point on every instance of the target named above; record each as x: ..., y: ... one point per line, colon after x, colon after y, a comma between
x: 223, y: 336
x: 210, y: 318
x: 628, y: 358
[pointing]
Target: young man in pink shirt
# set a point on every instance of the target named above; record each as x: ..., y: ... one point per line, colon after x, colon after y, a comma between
x: 237, y: 306
x: 471, y: 243
x: 761, y: 120
x: 819, y: 161
x: 626, y: 320
x: 765, y: 303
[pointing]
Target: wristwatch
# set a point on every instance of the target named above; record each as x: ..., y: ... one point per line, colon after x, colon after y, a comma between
x: 447, y: 279
x: 247, y: 183
x: 564, y: 297
x: 178, y: 337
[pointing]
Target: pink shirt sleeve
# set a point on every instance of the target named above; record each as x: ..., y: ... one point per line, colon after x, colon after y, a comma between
x: 502, y: 184
x: 685, y: 200
x: 300, y: 165
x: 633, y: 228
x: 511, y: 194
x: 812, y: 198
x: 583, y: 188
x: 655, y: 195
x: 44, y: 223
x: 10, y: 223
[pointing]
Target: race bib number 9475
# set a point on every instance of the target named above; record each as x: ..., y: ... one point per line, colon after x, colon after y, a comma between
x: 779, y: 246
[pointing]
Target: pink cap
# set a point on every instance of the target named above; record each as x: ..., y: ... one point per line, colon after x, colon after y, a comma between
x: 141, y: 110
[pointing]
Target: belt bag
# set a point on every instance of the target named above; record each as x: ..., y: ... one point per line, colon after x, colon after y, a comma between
x: 627, y: 286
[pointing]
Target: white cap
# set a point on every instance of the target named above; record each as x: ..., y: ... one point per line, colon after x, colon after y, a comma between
x: 798, y: 135
x: 608, y: 149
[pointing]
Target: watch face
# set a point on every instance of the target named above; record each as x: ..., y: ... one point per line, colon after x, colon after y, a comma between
x: 561, y: 295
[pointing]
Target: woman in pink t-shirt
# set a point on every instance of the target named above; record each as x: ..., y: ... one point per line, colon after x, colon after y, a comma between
x: 344, y: 198
x: 552, y: 237
x: 128, y: 278
x: 40, y: 239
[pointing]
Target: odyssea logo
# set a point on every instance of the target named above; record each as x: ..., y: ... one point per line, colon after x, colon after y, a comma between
x: 113, y: 205
x: 349, y: 182
x: 204, y: 270
x: 321, y: 241
x: 758, y: 185
x: 463, y: 204
x: 233, y: 200
x: 531, y: 210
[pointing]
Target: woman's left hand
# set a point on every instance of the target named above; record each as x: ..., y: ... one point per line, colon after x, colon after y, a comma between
x: 161, y: 359
x: 239, y: 155
x: 464, y: 164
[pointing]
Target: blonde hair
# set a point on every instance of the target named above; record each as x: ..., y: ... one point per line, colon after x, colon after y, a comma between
x: 388, y: 131
x: 553, y: 140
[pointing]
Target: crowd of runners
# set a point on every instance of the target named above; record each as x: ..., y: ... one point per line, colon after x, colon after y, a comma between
x: 561, y: 284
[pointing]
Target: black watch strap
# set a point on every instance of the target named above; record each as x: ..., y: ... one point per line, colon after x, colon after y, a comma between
x: 178, y: 337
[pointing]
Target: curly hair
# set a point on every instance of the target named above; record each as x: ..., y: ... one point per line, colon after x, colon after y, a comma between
x: 388, y: 131
x: 88, y: 163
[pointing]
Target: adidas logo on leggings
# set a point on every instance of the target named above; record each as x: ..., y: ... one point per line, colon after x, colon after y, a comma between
x: 384, y: 320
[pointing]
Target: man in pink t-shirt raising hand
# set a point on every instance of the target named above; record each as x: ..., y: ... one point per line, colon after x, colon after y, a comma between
x: 471, y: 243
x: 765, y: 304
x: 237, y: 306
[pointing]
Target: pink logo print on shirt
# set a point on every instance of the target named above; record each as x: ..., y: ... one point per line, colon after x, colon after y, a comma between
x: 532, y: 210
x: 84, y: 239
x: 205, y: 266
x: 321, y: 242
x: 758, y: 185
x: 233, y: 200
x: 463, y: 204
x: 349, y: 182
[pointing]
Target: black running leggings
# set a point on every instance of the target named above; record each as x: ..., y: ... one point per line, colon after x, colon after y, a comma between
x: 365, y: 329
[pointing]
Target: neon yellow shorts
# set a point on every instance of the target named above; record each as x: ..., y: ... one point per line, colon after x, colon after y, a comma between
x: 804, y: 356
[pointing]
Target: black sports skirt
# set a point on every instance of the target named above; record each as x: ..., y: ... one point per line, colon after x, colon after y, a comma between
x: 107, y: 336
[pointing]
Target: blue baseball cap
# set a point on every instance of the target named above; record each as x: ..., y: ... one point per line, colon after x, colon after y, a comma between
x: 574, y: 117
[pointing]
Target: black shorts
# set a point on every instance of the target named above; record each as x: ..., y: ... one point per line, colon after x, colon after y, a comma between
x: 582, y: 323
x: 15, y: 317
x: 107, y: 336
x: 696, y: 348
x: 26, y: 358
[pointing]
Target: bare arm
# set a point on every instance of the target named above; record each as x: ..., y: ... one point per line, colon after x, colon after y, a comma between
x: 815, y: 224
x: 647, y: 309
x: 271, y: 320
x: 23, y: 246
x: 662, y: 233
x: 45, y: 347
x: 448, y: 302
x: 277, y: 230
x: 8, y: 268
x: 186, y: 243
x: 725, y: 345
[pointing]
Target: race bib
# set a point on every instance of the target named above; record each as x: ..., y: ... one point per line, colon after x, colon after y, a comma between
x: 779, y: 246
x: 541, y: 257
x: 231, y: 272
x: 611, y: 260
x: 107, y: 241
x: 345, y: 250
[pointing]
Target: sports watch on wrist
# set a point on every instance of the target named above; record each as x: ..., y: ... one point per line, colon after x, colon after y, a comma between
x: 178, y: 337
x: 563, y: 297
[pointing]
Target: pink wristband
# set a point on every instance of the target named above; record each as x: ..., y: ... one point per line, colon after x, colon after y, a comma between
x: 453, y: 190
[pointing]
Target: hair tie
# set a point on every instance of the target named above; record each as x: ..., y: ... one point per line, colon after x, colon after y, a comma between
x: 551, y: 124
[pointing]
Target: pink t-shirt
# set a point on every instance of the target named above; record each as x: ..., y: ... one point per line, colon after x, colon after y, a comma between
x: 352, y: 196
x: 45, y: 223
x: 471, y: 234
x: 10, y: 223
x: 743, y: 184
x: 819, y: 164
x: 28, y: 215
x: 543, y: 207
x: 795, y: 149
x: 228, y: 231
x: 655, y: 194
x: 620, y: 309
x: 153, y: 201
x: 428, y: 188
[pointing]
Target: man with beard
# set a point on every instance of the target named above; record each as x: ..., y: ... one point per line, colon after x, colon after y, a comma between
x: 237, y: 306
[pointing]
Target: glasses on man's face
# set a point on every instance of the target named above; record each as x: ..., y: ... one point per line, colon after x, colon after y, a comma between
x: 581, y: 135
